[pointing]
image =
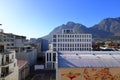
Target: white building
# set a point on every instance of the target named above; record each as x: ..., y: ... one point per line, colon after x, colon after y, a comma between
x: 70, y: 41
x: 8, y: 66
x: 51, y: 60
x: 75, y: 58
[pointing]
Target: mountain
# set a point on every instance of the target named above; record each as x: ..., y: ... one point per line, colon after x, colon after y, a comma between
x: 108, y: 28
x: 78, y: 28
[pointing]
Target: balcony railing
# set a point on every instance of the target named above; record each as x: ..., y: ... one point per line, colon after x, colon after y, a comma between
x: 7, y: 62
x: 4, y: 75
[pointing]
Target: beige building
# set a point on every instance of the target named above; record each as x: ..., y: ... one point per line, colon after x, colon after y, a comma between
x: 8, y: 66
x: 23, y: 69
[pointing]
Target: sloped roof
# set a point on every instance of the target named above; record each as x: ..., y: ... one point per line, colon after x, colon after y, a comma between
x: 88, y: 60
x: 21, y: 63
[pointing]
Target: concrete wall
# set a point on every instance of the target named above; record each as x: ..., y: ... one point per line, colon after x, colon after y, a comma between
x: 30, y: 56
x: 13, y: 76
x: 24, y: 72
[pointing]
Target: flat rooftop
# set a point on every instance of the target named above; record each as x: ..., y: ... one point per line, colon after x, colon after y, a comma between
x: 88, y: 60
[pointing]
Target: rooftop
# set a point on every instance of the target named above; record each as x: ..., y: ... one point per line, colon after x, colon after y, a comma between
x: 21, y: 63
x: 88, y: 60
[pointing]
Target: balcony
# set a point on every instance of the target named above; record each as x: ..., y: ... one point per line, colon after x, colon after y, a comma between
x: 4, y: 75
x: 7, y: 63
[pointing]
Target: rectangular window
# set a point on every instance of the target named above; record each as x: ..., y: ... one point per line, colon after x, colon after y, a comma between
x: 54, y: 40
x: 50, y: 57
x: 8, y: 44
x: 47, y: 56
x: 54, y: 49
x: 12, y: 56
x: 54, y: 45
x: 54, y: 36
x: 12, y: 44
x: 14, y: 64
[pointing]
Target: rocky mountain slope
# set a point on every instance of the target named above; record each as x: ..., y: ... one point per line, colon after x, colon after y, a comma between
x: 108, y: 28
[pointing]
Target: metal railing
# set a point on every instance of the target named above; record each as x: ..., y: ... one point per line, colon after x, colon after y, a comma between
x: 7, y: 62
x: 5, y: 74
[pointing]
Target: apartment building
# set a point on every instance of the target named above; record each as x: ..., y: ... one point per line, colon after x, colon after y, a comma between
x: 70, y: 41
x: 24, y: 51
x: 8, y: 65
x: 11, y: 41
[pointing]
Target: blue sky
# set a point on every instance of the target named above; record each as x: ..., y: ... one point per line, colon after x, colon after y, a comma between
x: 37, y: 18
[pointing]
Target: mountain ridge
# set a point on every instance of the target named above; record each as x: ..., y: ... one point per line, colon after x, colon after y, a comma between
x: 108, y: 28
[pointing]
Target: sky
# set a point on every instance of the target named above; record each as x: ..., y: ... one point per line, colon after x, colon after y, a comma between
x: 37, y: 18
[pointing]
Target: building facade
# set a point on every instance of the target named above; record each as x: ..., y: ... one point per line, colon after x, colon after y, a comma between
x: 11, y: 41
x: 51, y: 60
x: 8, y: 66
x: 24, y: 51
x: 75, y: 59
x: 70, y: 41
x: 67, y: 41
x: 23, y: 69
x: 27, y: 53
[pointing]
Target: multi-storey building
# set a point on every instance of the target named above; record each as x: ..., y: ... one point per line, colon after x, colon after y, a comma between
x: 8, y: 65
x: 70, y: 41
x: 18, y: 43
x: 76, y: 60
x: 66, y: 42
x: 11, y: 41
